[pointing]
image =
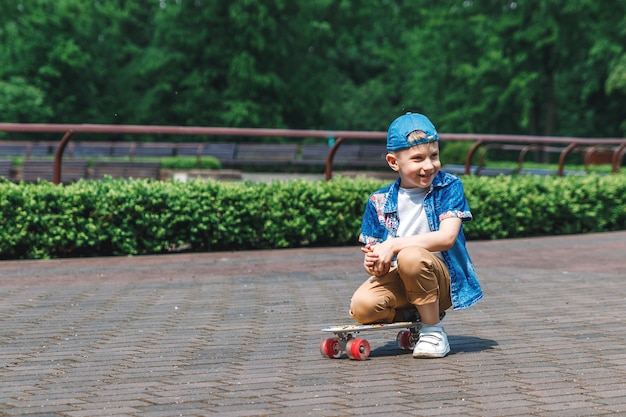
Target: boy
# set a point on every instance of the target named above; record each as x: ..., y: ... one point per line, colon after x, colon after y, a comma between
x: 413, y: 239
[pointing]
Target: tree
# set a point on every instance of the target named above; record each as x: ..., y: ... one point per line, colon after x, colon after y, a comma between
x: 214, y: 63
x: 22, y: 102
x: 72, y: 51
x: 517, y: 67
x: 551, y: 67
x: 356, y: 44
x: 616, y: 84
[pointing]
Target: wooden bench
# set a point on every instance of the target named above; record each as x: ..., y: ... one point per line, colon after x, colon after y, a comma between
x: 372, y: 156
x: 313, y: 154
x: 41, y: 149
x: 190, y: 149
x: 347, y: 156
x: 122, y: 149
x: 599, y: 155
x: 160, y: 150
x: 224, y: 152
x: 36, y: 170
x: 125, y: 169
x: 14, y: 149
x: 316, y: 154
x: 27, y: 149
x: 266, y: 154
x: 6, y: 169
x: 89, y: 149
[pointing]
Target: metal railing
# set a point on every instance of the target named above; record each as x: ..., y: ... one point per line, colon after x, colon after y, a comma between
x: 568, y: 145
x: 70, y: 130
x: 618, y: 145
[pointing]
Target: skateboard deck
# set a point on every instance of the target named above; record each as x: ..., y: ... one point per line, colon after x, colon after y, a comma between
x: 358, y: 348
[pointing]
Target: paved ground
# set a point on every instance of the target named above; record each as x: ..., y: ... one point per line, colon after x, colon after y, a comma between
x: 237, y: 333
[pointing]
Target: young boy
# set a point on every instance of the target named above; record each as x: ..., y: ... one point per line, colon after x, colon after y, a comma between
x: 413, y: 240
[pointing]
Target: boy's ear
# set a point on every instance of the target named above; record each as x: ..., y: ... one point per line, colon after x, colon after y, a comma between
x: 392, y: 161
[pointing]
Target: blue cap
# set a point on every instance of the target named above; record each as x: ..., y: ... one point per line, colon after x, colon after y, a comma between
x: 401, y: 128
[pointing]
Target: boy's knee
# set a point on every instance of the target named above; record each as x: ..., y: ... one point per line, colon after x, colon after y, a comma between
x: 413, y: 253
x: 361, y: 308
x: 414, y: 260
x: 369, y: 309
x: 417, y: 271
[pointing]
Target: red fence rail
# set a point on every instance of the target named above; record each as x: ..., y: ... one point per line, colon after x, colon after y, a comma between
x: 618, y: 145
x: 70, y: 130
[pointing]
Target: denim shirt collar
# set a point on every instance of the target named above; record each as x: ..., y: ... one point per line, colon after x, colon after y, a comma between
x: 391, y: 205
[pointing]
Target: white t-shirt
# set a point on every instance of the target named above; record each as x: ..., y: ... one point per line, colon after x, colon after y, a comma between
x: 411, y: 213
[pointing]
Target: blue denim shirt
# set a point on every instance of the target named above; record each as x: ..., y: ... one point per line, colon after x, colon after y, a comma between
x: 445, y: 199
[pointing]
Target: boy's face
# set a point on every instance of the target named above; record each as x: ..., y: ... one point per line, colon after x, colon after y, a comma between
x: 417, y: 165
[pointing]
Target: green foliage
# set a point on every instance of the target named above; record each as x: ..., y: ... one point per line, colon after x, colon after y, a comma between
x: 454, y: 152
x: 119, y: 217
x: 22, y: 102
x: 526, y: 67
x: 510, y: 67
x: 507, y: 207
x: 186, y: 162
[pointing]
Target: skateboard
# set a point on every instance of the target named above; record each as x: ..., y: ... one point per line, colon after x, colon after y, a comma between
x: 359, y: 349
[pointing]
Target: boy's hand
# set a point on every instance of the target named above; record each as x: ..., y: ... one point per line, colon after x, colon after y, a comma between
x: 374, y: 263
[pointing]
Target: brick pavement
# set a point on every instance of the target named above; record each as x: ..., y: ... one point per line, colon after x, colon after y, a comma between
x: 237, y: 333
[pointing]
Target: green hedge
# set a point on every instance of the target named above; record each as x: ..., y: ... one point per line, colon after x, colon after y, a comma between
x: 119, y: 217
x: 522, y: 206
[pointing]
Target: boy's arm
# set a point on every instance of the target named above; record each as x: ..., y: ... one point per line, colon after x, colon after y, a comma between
x: 440, y: 240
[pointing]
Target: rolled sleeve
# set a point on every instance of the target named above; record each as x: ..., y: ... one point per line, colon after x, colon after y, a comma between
x: 454, y: 204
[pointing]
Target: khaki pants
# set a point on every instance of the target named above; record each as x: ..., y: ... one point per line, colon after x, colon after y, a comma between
x: 420, y: 278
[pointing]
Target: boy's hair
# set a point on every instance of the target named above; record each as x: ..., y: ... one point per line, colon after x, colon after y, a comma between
x: 403, y: 127
x: 416, y: 135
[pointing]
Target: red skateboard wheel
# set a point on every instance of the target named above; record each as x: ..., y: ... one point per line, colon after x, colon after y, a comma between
x: 330, y: 348
x: 358, y: 349
x: 405, y: 340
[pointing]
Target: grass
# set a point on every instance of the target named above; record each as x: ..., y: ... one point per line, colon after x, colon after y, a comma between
x: 207, y: 162
x: 175, y: 162
x: 599, y: 169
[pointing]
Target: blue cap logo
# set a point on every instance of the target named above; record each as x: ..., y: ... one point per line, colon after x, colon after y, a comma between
x: 403, y: 126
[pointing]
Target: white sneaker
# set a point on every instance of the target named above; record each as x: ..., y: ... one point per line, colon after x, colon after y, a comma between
x: 432, y: 343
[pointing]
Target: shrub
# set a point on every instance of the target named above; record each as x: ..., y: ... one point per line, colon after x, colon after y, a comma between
x: 120, y: 217
x: 455, y: 152
x: 521, y: 206
x: 187, y: 162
